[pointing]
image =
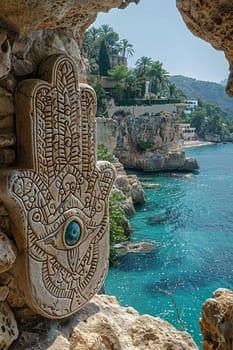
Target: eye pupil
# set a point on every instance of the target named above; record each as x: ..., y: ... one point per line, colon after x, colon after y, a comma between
x: 72, y: 233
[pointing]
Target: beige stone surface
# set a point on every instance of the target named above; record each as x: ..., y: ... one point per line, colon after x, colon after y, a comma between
x: 130, y: 187
x: 4, y: 291
x: 59, y: 203
x: 23, y: 16
x: 61, y: 343
x: 8, y: 326
x: 119, y: 167
x: 6, y: 103
x: 159, y: 133
x: 217, y: 321
x: 14, y: 297
x: 211, y: 20
x: 7, y: 124
x: 7, y: 157
x: 30, y: 50
x: 7, y: 253
x: 105, y: 325
x: 7, y: 139
x: 5, y: 55
x: 106, y: 130
x: 118, y: 328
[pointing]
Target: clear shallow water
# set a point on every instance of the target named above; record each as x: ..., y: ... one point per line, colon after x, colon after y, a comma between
x: 194, y: 238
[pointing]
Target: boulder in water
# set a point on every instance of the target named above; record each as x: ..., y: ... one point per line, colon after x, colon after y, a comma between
x: 156, y: 220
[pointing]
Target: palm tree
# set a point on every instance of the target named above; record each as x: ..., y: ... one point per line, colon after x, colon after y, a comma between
x: 105, y: 29
x: 142, y: 64
x: 111, y: 40
x: 158, y: 77
x: 90, y: 44
x: 132, y: 85
x: 172, y: 91
x: 94, y: 33
x: 142, y: 67
x: 126, y: 48
x: 87, y: 44
x: 109, y: 36
x: 116, y: 49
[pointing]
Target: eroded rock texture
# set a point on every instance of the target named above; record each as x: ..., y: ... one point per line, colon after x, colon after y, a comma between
x: 25, y: 16
x: 217, y: 321
x: 103, y: 325
x: 8, y: 329
x: 211, y: 20
x: 26, y: 39
x: 130, y: 187
x: 151, y: 142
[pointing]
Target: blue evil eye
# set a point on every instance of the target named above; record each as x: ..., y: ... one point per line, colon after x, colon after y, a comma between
x: 72, y: 233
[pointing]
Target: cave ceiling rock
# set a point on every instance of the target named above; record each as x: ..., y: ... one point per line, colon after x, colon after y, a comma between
x: 212, y: 21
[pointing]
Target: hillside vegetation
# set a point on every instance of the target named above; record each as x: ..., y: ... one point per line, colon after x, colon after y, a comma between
x: 208, y: 91
x: 107, y: 56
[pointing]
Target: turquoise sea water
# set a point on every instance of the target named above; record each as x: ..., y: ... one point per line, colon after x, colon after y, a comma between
x: 194, y: 237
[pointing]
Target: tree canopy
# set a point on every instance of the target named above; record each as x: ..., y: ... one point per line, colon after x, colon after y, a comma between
x: 210, y: 119
x: 114, y: 46
x: 107, y: 54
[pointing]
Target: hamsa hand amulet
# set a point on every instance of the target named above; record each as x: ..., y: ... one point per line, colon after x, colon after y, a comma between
x: 58, y: 198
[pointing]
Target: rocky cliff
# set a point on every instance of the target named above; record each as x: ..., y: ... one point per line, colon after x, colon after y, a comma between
x: 20, y: 57
x: 24, y: 17
x: 211, y: 20
x: 150, y: 142
x: 217, y: 321
x: 103, y: 325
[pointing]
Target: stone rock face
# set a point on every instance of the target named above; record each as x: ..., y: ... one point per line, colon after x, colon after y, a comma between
x: 5, y: 55
x: 213, y: 138
x: 211, y: 20
x: 217, y: 321
x: 30, y: 50
x: 7, y: 253
x: 8, y: 330
x: 23, y: 16
x: 107, y: 132
x: 104, y: 325
x: 131, y: 188
x: 14, y: 297
x: 126, y: 247
x: 20, y: 53
x: 151, y: 143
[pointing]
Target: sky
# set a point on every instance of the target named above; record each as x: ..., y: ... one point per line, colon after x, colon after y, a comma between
x: 155, y: 29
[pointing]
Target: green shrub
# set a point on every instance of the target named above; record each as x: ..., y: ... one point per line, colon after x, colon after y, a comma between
x: 116, y: 219
x: 144, y: 145
x: 116, y: 213
x: 103, y: 153
x: 101, y: 101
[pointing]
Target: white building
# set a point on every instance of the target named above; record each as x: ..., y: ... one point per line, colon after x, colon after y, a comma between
x: 190, y: 106
x: 186, y: 132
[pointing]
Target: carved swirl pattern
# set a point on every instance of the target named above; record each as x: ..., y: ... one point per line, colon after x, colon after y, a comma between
x: 62, y: 184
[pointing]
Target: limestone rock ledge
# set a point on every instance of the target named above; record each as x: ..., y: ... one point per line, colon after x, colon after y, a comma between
x: 151, y: 143
x: 217, y: 321
x: 211, y: 20
x: 130, y: 187
x: 104, y: 325
x: 8, y: 329
x: 26, y: 16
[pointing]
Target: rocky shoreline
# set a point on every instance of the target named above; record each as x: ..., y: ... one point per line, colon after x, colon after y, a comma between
x: 150, y: 143
x: 102, y: 324
x: 197, y: 143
